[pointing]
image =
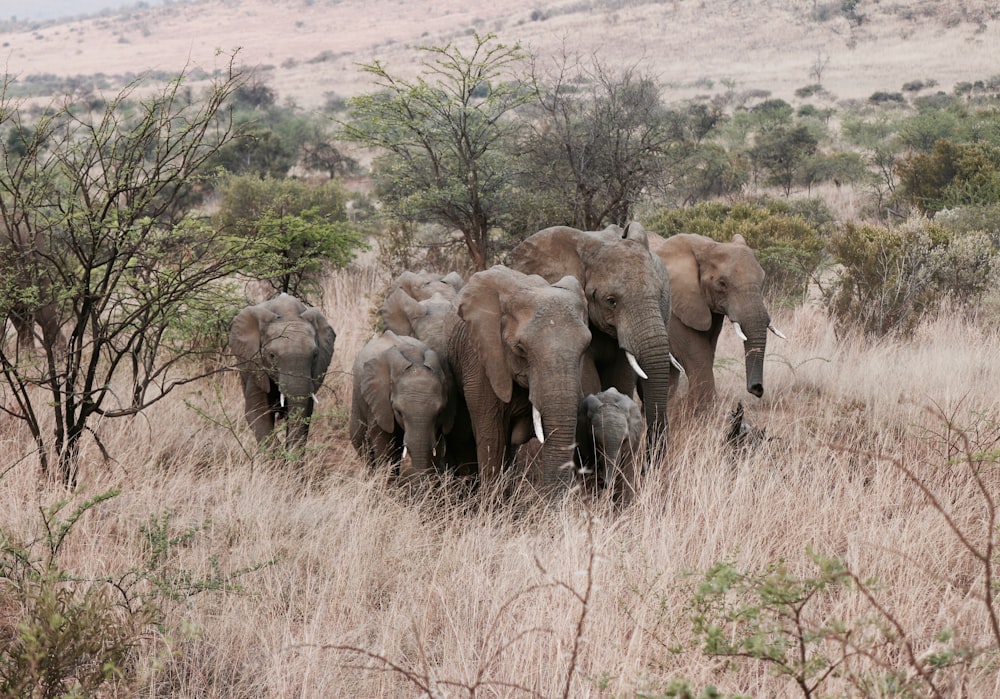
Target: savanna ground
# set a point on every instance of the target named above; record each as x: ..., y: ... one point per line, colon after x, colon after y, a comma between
x: 466, y: 601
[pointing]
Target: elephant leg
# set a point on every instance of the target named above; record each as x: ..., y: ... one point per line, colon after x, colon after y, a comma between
x: 698, y: 360
x: 257, y: 410
x: 383, y: 446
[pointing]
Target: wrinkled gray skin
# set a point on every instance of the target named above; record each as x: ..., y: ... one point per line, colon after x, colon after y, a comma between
x: 422, y: 285
x: 609, y: 433
x: 628, y: 297
x: 404, y: 396
x: 516, y: 342
x: 284, y: 348
x: 18, y: 254
x: 424, y: 320
x: 709, y: 282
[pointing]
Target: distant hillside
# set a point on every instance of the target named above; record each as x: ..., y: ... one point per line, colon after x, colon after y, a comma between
x: 309, y: 49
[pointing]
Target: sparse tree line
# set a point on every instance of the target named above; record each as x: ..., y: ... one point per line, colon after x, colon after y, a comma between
x: 126, y: 225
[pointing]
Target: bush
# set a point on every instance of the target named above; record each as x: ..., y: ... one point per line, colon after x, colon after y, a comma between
x: 62, y: 635
x: 296, y: 228
x: 951, y: 175
x: 893, y: 277
x: 787, y: 236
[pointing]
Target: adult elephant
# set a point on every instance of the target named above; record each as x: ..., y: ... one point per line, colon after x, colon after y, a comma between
x: 515, y: 343
x: 404, y: 401
x: 284, y: 349
x: 709, y: 282
x: 628, y: 297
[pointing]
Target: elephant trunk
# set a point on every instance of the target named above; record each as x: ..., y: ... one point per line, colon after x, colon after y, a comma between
x: 752, y: 323
x: 558, y: 408
x: 647, y: 340
x: 296, y: 390
x: 420, y: 440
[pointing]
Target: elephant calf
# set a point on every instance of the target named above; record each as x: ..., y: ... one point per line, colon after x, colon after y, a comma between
x: 609, y: 432
x: 403, y: 401
x: 284, y: 349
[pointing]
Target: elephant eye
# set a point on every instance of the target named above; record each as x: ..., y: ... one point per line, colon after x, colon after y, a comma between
x: 612, y: 301
x: 519, y: 350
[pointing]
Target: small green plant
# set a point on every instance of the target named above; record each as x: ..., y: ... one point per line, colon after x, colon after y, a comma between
x: 62, y: 634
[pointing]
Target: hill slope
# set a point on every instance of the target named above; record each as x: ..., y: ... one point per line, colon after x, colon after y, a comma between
x: 310, y: 48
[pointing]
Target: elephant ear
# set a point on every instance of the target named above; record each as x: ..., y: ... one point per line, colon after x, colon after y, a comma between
x: 376, y: 387
x: 479, y: 307
x: 246, y: 334
x: 589, y: 407
x: 325, y: 339
x: 454, y: 280
x: 398, y: 310
x: 686, y: 299
x: 433, y: 361
x: 555, y: 252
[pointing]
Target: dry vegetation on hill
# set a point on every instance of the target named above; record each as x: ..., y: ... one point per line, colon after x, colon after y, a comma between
x: 330, y: 581
x: 310, y: 48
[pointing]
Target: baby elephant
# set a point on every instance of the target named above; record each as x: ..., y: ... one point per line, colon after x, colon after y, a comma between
x: 404, y: 401
x: 609, y: 428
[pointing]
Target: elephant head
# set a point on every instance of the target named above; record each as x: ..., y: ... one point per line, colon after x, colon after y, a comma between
x: 516, y: 343
x: 711, y: 281
x: 284, y: 349
x: 609, y: 430
x: 404, y: 401
x: 424, y: 320
x: 628, y: 297
x: 422, y: 285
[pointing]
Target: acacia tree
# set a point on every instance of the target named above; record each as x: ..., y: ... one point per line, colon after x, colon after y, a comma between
x: 88, y: 207
x: 445, y: 136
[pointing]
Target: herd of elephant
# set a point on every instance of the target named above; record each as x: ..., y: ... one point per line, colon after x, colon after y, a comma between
x: 534, y: 368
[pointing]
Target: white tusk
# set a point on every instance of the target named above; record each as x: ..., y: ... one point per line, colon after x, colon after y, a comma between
x: 635, y: 365
x: 677, y: 365
x: 777, y: 332
x: 739, y: 331
x: 536, y: 419
x: 282, y: 400
x: 315, y: 399
x: 404, y: 452
x: 434, y: 451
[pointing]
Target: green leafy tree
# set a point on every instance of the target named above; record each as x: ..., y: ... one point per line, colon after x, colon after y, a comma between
x: 295, y: 229
x: 951, y: 175
x: 87, y: 213
x: 445, y: 138
x: 782, y: 152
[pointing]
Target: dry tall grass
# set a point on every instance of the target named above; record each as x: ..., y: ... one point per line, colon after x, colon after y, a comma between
x: 363, y: 575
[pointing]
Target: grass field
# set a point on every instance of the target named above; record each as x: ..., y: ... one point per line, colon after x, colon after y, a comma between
x: 361, y: 589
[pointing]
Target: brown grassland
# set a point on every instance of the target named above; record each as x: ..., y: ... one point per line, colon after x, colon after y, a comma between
x: 369, y: 591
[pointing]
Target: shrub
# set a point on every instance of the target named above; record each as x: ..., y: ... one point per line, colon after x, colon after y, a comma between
x: 894, y: 277
x: 951, y: 175
x: 62, y: 635
x: 296, y: 228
